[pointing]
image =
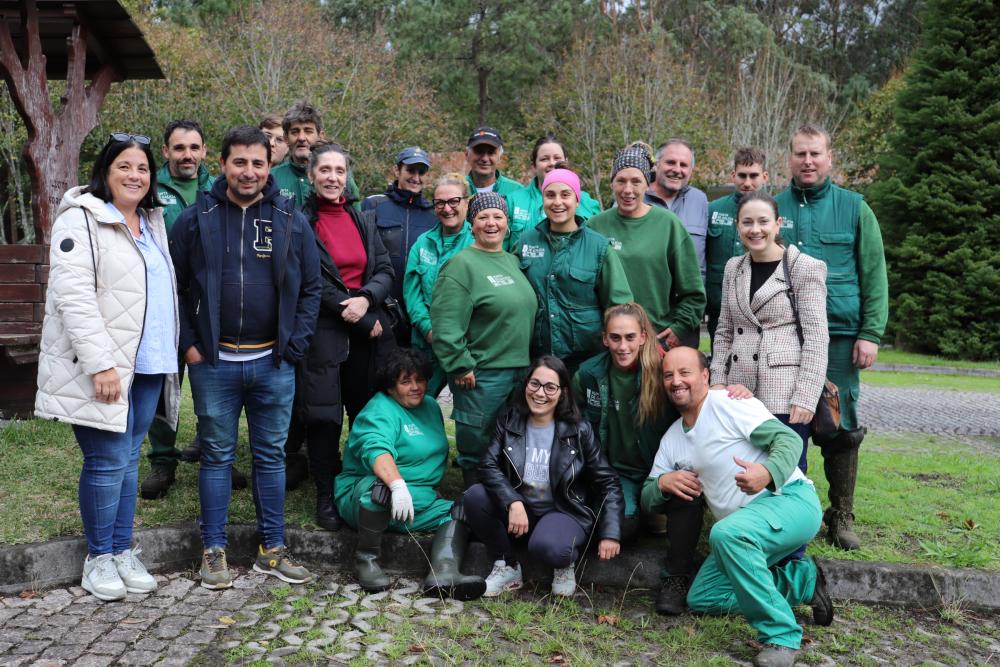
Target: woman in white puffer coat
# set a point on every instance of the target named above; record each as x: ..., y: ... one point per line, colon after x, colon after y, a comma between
x: 109, y: 347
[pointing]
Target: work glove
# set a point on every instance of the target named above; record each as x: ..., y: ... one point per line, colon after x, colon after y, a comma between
x: 402, y: 502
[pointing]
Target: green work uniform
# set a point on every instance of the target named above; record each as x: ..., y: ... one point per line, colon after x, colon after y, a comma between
x: 576, y: 277
x: 612, y: 407
x: 416, y: 440
x: 429, y: 253
x: 175, y: 198
x: 721, y: 244
x: 662, y: 267
x: 838, y: 227
x: 524, y: 210
x: 294, y: 183
x: 483, y: 310
x: 502, y: 185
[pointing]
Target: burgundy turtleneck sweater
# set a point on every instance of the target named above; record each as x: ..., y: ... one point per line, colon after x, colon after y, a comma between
x: 337, y: 231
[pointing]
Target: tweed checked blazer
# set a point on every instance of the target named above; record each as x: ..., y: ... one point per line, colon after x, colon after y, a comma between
x: 756, y: 343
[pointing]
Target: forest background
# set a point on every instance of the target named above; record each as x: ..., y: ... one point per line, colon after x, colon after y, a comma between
x: 597, y: 73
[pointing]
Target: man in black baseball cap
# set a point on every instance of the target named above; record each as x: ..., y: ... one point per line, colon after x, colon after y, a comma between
x: 482, y: 157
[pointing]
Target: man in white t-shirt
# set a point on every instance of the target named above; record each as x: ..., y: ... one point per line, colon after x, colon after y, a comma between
x: 743, y: 460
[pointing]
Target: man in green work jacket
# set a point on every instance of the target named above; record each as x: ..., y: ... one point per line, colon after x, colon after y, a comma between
x: 178, y: 182
x: 482, y: 159
x: 837, y: 226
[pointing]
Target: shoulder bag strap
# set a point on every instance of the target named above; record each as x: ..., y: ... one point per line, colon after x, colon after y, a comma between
x: 791, y: 298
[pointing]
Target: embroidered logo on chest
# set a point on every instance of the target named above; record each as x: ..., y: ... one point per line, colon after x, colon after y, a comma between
x: 615, y: 243
x: 500, y: 281
x: 427, y: 257
x: 532, y: 251
x: 593, y: 398
x: 722, y: 219
x: 412, y: 430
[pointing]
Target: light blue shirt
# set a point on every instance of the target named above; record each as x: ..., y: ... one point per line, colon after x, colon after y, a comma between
x: 691, y: 206
x: 158, y: 346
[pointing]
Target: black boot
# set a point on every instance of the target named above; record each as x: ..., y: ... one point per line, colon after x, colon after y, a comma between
x: 821, y: 603
x: 296, y: 470
x: 238, y: 479
x: 445, y: 578
x: 192, y: 453
x: 327, y: 516
x: 157, y: 483
x: 371, y: 525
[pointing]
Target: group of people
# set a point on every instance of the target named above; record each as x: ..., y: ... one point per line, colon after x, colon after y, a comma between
x: 584, y: 413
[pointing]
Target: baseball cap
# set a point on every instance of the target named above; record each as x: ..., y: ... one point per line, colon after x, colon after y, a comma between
x: 413, y: 155
x: 485, y: 135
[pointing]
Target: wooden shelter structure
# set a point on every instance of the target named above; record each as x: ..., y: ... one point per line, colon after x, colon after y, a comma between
x: 90, y: 44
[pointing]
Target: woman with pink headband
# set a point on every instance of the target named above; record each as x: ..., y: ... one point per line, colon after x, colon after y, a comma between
x: 573, y: 273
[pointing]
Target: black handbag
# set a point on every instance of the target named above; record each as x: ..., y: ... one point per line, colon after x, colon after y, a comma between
x: 826, y: 417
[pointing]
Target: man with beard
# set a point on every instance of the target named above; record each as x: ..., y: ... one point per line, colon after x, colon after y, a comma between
x: 722, y: 243
x: 670, y: 189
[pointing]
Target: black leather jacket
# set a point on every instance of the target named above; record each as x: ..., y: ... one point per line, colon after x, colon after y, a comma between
x: 578, y: 469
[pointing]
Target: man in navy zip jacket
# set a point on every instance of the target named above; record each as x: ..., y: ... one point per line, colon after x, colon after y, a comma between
x: 249, y: 290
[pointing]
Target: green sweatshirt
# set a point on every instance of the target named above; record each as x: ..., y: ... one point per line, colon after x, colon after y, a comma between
x: 293, y: 182
x: 502, y: 185
x: 838, y: 227
x: 722, y: 244
x: 783, y: 447
x: 524, y: 210
x: 173, y: 197
x: 483, y: 310
x: 414, y: 437
x: 429, y: 253
x: 662, y: 267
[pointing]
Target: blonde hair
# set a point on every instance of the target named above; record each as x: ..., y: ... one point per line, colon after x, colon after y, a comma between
x: 652, y: 397
x: 456, y: 179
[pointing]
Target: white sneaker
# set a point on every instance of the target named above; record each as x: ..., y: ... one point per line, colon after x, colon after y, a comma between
x: 100, y: 577
x: 564, y: 581
x: 133, y: 573
x: 503, y: 578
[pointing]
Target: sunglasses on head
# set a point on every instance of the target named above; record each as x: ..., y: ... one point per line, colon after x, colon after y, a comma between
x: 125, y: 136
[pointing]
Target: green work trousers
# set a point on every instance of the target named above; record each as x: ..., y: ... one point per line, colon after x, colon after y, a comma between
x: 163, y: 451
x: 843, y: 373
x: 475, y: 412
x: 740, y: 575
x: 429, y: 511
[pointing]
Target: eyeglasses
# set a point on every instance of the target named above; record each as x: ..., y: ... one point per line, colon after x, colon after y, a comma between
x: 125, y: 136
x: 550, y: 388
x: 439, y: 204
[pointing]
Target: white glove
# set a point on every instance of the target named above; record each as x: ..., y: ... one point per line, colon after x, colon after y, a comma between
x: 402, y: 502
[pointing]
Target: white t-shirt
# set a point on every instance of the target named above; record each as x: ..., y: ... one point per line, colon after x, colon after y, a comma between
x: 722, y: 431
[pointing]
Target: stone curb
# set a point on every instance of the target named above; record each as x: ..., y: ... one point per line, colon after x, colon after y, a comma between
x: 936, y: 370
x: 57, y: 563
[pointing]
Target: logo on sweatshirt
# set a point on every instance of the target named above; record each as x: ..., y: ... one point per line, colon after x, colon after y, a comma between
x: 412, y: 430
x: 521, y: 214
x: 500, y: 281
x: 532, y: 251
x: 262, y: 239
x: 427, y: 257
x: 615, y: 243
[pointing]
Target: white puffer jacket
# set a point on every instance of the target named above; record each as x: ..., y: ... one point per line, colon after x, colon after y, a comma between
x: 95, y: 309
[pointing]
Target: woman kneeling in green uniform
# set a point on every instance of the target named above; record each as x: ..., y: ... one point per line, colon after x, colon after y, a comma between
x: 394, y: 460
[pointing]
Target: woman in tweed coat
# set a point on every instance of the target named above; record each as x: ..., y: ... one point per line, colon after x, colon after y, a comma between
x: 757, y: 350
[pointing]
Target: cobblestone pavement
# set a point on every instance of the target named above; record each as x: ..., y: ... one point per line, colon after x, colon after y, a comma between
x: 925, y: 411
x: 263, y: 621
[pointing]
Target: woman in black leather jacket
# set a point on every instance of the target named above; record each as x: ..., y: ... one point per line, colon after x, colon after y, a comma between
x: 541, y: 466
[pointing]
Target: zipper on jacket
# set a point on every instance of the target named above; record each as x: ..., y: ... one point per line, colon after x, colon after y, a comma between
x: 572, y: 478
x: 239, y: 331
x: 513, y: 467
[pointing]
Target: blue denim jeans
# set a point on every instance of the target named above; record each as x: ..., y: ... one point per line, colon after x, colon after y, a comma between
x: 110, y: 475
x: 220, y: 394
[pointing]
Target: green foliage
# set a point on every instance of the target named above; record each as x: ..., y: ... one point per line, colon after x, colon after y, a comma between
x: 938, y: 193
x: 865, y: 139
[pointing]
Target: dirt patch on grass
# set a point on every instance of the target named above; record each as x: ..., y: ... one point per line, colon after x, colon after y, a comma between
x: 939, y: 479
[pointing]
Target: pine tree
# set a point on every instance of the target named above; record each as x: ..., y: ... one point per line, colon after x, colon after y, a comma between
x: 938, y: 191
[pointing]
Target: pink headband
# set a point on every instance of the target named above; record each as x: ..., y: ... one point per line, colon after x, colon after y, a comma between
x: 564, y: 176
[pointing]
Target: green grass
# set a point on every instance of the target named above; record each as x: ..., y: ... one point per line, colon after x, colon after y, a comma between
x: 893, y: 356
x: 989, y: 385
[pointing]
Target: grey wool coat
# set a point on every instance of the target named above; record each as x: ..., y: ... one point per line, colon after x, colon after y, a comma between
x: 756, y: 343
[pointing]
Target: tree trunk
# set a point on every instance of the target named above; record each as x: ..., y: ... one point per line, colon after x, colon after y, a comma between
x: 52, y: 151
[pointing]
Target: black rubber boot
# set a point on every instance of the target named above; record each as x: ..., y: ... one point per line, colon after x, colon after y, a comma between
x: 371, y: 525
x: 157, y: 483
x: 327, y: 516
x: 822, y: 605
x: 672, y: 598
x: 840, y: 463
x: 238, y: 479
x: 445, y: 578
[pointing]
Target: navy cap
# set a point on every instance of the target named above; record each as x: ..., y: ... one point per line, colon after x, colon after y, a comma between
x: 413, y: 155
x: 485, y: 135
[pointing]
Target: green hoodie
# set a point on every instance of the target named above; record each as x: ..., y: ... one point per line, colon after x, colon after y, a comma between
x: 171, y: 197
x: 427, y: 256
x: 838, y: 227
x: 294, y: 183
x: 502, y: 185
x: 524, y: 208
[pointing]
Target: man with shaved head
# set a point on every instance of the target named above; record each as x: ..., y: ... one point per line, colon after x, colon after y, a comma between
x: 743, y: 460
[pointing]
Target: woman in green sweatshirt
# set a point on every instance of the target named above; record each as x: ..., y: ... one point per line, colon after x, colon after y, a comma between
x: 394, y: 460
x: 483, y: 310
x: 655, y: 249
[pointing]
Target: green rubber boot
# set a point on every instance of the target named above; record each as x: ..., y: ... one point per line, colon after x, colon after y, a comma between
x: 445, y: 578
x: 371, y: 525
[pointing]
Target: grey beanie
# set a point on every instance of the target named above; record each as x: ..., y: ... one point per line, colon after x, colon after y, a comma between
x: 633, y: 157
x: 485, y: 200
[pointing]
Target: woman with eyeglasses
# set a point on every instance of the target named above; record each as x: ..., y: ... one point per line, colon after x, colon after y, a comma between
x: 109, y: 348
x: 429, y: 253
x: 573, y: 271
x: 546, y: 481
x: 483, y: 311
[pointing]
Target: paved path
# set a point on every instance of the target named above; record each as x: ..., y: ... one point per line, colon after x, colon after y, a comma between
x: 333, y: 622
x: 929, y: 411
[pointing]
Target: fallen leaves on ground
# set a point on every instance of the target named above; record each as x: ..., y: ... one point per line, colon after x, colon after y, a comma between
x: 417, y: 648
x: 607, y: 619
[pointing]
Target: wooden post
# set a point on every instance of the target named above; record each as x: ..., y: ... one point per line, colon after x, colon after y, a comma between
x: 52, y: 151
